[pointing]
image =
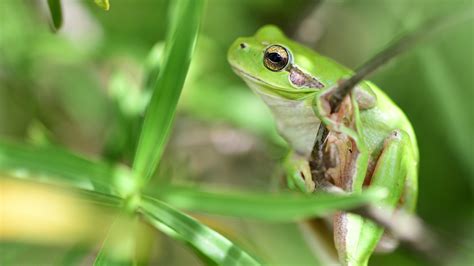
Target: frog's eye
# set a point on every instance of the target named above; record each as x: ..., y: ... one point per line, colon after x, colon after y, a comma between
x: 276, y: 58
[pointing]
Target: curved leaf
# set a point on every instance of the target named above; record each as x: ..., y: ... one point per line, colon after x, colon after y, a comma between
x: 182, y: 35
x: 207, y: 241
x: 274, y: 207
x: 56, y: 13
x: 55, y: 164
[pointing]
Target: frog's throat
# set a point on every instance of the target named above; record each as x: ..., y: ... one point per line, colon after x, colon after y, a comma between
x: 296, y: 121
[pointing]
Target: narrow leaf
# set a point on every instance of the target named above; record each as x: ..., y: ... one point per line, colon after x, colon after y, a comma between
x: 180, y: 44
x: 208, y: 242
x: 54, y: 164
x: 56, y: 13
x: 282, y: 207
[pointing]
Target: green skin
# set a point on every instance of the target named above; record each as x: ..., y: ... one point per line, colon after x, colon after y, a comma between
x: 386, y: 152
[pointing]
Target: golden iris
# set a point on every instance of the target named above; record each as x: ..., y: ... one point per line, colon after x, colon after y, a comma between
x: 276, y: 57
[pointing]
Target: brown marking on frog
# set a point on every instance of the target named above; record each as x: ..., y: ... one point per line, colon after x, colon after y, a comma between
x: 340, y: 232
x: 301, y: 79
x: 340, y: 152
x: 337, y: 159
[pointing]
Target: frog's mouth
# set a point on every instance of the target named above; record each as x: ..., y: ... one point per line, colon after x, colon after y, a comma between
x: 295, y: 91
x: 245, y: 75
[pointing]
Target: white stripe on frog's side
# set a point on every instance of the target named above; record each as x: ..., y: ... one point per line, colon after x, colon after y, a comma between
x: 295, y: 120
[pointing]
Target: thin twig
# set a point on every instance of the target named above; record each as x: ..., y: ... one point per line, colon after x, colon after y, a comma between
x: 398, y: 46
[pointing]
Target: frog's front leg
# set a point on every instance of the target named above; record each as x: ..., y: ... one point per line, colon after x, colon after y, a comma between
x: 357, y: 237
x: 362, y: 98
x: 298, y: 173
x: 346, y: 137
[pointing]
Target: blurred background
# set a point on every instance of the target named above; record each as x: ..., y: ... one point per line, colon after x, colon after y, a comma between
x: 82, y: 86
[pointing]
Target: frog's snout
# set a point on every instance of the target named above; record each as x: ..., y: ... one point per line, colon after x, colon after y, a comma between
x: 239, y: 45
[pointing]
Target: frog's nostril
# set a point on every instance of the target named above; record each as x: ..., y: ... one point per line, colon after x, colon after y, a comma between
x: 243, y: 45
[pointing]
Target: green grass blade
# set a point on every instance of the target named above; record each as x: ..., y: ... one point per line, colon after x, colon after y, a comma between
x: 281, y: 207
x: 180, y: 44
x: 52, y: 164
x: 56, y: 13
x: 208, y: 242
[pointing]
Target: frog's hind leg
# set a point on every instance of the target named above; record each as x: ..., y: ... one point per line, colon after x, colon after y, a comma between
x: 407, y: 202
x: 392, y: 168
x: 410, y: 191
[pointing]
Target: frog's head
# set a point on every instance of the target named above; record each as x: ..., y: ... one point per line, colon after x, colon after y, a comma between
x: 269, y: 62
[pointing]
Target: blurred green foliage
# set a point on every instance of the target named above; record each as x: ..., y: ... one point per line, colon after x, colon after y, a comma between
x: 76, y: 83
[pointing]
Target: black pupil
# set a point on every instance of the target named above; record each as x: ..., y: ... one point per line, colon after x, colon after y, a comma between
x: 275, y: 57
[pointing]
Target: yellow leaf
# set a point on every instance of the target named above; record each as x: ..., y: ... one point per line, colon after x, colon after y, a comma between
x: 103, y: 4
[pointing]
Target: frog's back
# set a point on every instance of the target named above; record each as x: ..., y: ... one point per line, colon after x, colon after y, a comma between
x: 382, y: 119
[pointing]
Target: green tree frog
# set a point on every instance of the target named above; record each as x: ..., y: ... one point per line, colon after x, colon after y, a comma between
x: 370, y: 141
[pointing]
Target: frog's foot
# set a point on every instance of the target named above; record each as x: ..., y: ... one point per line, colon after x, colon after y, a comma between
x: 339, y: 121
x: 298, y: 173
x: 342, y: 119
